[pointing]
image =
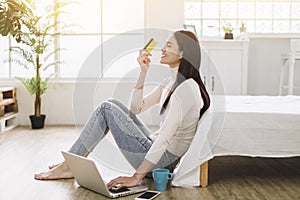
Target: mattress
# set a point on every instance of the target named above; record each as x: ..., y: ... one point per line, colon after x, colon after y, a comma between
x: 266, y: 126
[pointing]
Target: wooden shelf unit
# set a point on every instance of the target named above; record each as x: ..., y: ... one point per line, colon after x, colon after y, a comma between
x: 8, y: 109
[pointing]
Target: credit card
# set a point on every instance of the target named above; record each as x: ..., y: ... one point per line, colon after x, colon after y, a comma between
x: 150, y: 45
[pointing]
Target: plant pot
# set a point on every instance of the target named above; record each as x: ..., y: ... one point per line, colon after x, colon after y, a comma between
x: 37, y: 122
x: 228, y: 36
x: 243, y: 29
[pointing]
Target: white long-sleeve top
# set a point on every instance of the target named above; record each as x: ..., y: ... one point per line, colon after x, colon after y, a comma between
x: 180, y: 119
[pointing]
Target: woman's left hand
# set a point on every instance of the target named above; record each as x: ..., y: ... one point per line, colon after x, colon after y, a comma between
x: 124, y: 181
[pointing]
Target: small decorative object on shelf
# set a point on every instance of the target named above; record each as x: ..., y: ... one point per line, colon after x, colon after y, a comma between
x: 8, y: 109
x: 227, y: 28
x: 243, y: 30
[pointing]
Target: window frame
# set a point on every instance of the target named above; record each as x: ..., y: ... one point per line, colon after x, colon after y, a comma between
x: 200, y: 20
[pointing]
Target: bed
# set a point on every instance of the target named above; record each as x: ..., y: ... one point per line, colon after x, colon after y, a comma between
x: 264, y: 126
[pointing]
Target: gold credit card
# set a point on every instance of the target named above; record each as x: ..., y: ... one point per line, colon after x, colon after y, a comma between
x: 150, y: 45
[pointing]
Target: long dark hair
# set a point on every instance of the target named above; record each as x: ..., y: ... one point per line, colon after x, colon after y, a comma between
x: 189, y: 66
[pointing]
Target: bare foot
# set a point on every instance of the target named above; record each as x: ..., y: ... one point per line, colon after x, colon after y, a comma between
x: 55, y: 165
x: 61, y: 171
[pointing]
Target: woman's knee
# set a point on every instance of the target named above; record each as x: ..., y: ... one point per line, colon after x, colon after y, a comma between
x: 103, y: 105
x: 119, y: 104
x: 115, y: 101
x: 111, y: 105
x: 112, y: 100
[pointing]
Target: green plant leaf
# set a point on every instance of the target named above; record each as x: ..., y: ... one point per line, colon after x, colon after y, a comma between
x: 35, y: 85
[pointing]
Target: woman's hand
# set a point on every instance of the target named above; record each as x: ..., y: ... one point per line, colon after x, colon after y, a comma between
x: 144, y: 59
x: 124, y: 181
x: 135, y: 179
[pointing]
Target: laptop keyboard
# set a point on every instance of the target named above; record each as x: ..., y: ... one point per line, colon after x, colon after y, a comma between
x: 123, y: 189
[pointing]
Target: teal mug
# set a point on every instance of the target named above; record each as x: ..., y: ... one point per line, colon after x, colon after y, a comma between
x: 161, y: 177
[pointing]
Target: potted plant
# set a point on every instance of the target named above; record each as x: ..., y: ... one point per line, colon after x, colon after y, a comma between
x: 35, y: 52
x: 243, y: 28
x: 227, y: 28
x: 243, y: 31
x: 14, y: 15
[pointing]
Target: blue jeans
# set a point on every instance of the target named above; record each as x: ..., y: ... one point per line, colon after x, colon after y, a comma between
x: 129, y: 132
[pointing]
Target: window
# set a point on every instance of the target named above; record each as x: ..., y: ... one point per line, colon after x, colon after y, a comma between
x: 259, y: 16
x: 89, y: 51
x: 94, y: 25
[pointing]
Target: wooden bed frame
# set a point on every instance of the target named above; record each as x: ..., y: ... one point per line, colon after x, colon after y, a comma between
x: 204, y: 174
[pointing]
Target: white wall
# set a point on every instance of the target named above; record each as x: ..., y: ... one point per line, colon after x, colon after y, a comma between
x: 58, y: 103
x: 168, y: 14
x: 265, y: 63
x: 69, y: 103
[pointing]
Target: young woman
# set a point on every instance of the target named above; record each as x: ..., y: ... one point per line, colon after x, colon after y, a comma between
x: 183, y: 98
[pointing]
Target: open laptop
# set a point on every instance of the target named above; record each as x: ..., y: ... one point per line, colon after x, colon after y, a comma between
x: 88, y: 176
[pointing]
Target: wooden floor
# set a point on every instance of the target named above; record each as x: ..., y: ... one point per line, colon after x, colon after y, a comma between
x: 24, y: 152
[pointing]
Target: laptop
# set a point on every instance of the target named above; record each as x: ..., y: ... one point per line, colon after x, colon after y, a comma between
x: 88, y: 176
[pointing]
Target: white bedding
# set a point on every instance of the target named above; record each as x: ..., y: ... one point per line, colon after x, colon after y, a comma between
x: 263, y: 104
x: 266, y: 126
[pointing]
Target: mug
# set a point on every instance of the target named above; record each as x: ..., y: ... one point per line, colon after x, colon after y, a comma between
x: 161, y: 177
